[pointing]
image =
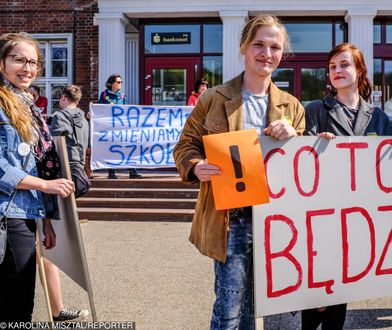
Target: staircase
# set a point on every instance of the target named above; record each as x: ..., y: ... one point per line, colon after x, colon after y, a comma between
x: 157, y: 196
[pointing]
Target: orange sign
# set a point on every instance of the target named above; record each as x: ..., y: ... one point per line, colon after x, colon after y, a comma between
x: 243, y: 181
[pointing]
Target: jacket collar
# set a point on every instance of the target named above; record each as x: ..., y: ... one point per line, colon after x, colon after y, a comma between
x: 337, y: 114
x: 232, y: 90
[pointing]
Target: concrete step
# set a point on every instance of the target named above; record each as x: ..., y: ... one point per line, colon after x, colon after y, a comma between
x: 149, y: 182
x: 141, y: 193
x: 129, y: 214
x: 141, y: 203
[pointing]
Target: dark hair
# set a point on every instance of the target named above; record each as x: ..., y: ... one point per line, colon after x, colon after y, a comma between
x: 198, y: 83
x: 72, y: 93
x: 36, y: 88
x: 112, y: 79
x: 364, y: 84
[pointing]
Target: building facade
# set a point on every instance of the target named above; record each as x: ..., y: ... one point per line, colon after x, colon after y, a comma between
x: 68, y: 39
x: 161, y: 47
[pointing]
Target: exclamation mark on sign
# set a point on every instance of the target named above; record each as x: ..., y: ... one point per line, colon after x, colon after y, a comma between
x: 235, y: 158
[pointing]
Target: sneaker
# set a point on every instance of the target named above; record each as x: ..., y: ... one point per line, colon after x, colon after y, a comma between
x: 69, y: 314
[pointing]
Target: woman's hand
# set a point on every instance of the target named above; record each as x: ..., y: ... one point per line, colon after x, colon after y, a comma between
x: 61, y: 187
x: 50, y: 236
x: 203, y: 170
x: 280, y: 130
x: 327, y: 135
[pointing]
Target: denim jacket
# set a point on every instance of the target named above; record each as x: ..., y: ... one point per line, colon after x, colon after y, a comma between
x: 27, y: 204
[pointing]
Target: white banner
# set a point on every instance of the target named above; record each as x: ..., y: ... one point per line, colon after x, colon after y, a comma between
x: 326, y: 236
x: 135, y: 136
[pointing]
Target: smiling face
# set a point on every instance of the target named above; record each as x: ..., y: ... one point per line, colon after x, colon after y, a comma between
x: 342, y: 72
x: 264, y: 52
x: 18, y: 74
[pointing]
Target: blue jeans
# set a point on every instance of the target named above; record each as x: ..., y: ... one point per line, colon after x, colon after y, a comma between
x: 233, y: 307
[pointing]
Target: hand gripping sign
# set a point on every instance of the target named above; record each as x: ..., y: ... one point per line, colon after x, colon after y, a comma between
x: 325, y: 238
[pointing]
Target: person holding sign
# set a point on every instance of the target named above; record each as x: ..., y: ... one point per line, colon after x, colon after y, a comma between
x: 26, y: 152
x: 248, y: 101
x: 113, y: 95
x: 344, y: 112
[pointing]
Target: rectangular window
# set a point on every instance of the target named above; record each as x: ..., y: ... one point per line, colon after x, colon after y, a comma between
x: 340, y: 32
x: 212, y: 38
x: 165, y: 38
x: 312, y: 37
x: 213, y: 69
x: 389, y: 33
x: 377, y: 32
x: 57, y: 50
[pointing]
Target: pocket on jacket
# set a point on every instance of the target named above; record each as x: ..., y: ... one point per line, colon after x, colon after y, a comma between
x: 214, y: 126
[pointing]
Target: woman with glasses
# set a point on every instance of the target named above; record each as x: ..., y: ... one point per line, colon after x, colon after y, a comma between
x: 26, y: 156
x: 113, y: 95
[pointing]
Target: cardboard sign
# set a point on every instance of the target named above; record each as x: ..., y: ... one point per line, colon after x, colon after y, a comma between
x: 325, y: 238
x: 243, y: 181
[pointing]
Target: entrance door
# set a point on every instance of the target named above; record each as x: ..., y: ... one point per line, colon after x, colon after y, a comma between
x: 169, y: 80
x: 306, y: 81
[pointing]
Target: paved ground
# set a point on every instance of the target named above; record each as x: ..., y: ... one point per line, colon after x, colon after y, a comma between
x: 149, y: 273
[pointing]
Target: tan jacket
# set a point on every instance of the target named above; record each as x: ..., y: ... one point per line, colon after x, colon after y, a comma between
x: 219, y: 110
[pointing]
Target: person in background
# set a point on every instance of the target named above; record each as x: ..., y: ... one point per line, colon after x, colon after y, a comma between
x: 113, y: 95
x: 250, y: 100
x: 62, y: 125
x: 201, y: 86
x: 25, y: 146
x: 40, y: 101
x: 344, y: 112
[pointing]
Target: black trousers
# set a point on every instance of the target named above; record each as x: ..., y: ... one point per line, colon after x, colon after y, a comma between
x: 331, y: 319
x: 17, y: 272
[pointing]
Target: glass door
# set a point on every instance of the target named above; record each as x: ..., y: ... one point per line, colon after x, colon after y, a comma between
x: 169, y: 81
x: 306, y: 81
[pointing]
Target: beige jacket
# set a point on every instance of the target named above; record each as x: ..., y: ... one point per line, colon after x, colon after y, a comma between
x: 219, y: 110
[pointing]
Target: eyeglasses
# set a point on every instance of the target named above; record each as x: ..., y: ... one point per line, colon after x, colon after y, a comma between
x: 22, y: 61
x: 119, y: 82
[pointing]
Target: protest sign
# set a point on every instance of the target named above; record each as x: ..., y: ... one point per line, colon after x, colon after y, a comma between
x: 125, y: 136
x: 69, y: 254
x: 326, y: 236
x: 242, y: 180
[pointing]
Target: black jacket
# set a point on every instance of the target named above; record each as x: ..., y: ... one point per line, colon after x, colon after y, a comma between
x: 326, y: 115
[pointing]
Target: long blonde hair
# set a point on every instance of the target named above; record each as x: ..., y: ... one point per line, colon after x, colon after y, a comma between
x: 17, y: 111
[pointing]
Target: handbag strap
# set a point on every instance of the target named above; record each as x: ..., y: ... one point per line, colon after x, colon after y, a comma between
x: 5, y: 213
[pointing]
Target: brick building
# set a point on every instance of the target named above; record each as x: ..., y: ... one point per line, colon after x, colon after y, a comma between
x: 68, y: 39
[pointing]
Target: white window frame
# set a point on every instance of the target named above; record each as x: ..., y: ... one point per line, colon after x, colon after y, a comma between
x: 49, y: 81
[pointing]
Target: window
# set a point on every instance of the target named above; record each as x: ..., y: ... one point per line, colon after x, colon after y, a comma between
x: 389, y: 33
x: 315, y: 37
x: 382, y: 64
x: 57, y: 50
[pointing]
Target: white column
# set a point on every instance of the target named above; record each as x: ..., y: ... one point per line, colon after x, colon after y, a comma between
x: 233, y: 22
x: 111, y: 48
x: 132, y: 68
x: 360, y: 33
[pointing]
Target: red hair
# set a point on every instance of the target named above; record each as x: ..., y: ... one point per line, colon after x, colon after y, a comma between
x: 364, y: 84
